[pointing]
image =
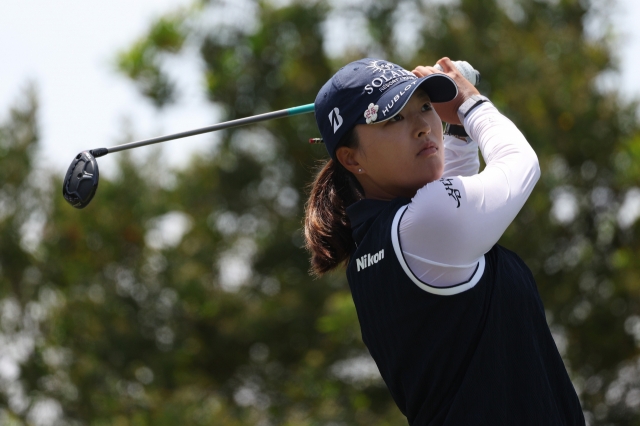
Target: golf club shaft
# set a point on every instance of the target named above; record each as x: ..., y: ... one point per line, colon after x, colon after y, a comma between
x: 304, y: 109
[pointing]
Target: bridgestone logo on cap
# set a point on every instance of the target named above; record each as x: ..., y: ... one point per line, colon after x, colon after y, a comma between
x: 336, y: 119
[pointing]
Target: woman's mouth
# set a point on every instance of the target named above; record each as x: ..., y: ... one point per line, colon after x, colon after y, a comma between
x: 428, y: 149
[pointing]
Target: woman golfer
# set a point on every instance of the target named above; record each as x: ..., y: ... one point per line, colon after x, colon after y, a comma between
x: 453, y: 321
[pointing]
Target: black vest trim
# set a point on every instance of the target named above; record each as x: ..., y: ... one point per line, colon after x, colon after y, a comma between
x: 442, y: 291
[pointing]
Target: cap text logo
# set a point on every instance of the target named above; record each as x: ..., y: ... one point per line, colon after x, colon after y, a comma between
x: 336, y: 119
x: 389, y: 75
x: 380, y: 66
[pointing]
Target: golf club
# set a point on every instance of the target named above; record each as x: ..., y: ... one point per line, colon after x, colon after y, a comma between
x: 81, y: 181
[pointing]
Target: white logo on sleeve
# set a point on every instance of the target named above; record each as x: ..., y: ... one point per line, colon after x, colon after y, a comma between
x: 336, y: 119
x: 368, y: 259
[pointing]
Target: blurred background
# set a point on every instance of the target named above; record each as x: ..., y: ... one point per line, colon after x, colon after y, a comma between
x: 181, y: 295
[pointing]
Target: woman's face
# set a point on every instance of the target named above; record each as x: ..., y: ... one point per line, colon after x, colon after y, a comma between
x: 401, y: 155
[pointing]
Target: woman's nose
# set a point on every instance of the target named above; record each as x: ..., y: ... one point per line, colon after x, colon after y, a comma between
x: 422, y: 127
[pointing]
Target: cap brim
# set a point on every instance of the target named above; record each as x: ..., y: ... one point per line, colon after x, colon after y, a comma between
x: 439, y: 87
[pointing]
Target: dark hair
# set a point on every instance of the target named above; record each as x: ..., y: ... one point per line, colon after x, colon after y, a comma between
x: 327, y: 229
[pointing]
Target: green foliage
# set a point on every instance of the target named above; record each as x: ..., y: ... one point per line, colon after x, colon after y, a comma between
x: 183, y: 297
x: 18, y: 137
x: 142, y: 62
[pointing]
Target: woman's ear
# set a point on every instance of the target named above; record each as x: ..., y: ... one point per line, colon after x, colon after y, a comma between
x: 347, y: 157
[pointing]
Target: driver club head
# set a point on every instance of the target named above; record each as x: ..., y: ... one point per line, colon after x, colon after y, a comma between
x: 81, y: 181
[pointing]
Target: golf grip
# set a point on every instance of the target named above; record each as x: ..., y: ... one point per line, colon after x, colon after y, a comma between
x: 466, y: 70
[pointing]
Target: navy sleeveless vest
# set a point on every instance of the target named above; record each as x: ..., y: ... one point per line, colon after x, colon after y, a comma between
x: 479, y: 353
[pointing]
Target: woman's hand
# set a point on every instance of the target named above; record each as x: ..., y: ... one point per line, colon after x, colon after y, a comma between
x: 448, y: 111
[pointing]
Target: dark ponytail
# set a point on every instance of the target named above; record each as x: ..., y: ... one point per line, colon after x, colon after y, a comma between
x: 327, y: 229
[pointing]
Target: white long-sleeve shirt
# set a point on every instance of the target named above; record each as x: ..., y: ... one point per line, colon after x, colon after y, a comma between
x: 451, y: 223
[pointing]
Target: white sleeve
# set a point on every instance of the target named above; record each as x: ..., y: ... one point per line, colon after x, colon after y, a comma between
x: 460, y: 157
x: 451, y: 223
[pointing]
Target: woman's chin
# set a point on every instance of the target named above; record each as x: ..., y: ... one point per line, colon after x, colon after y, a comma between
x: 433, y: 175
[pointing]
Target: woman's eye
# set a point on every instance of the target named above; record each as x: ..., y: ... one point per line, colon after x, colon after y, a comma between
x: 397, y: 117
x: 426, y: 107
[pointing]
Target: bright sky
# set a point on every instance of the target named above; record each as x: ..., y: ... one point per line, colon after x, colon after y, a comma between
x: 67, y: 48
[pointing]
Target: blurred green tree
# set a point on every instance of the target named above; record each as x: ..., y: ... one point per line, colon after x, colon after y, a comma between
x: 182, y: 297
x: 27, y: 300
